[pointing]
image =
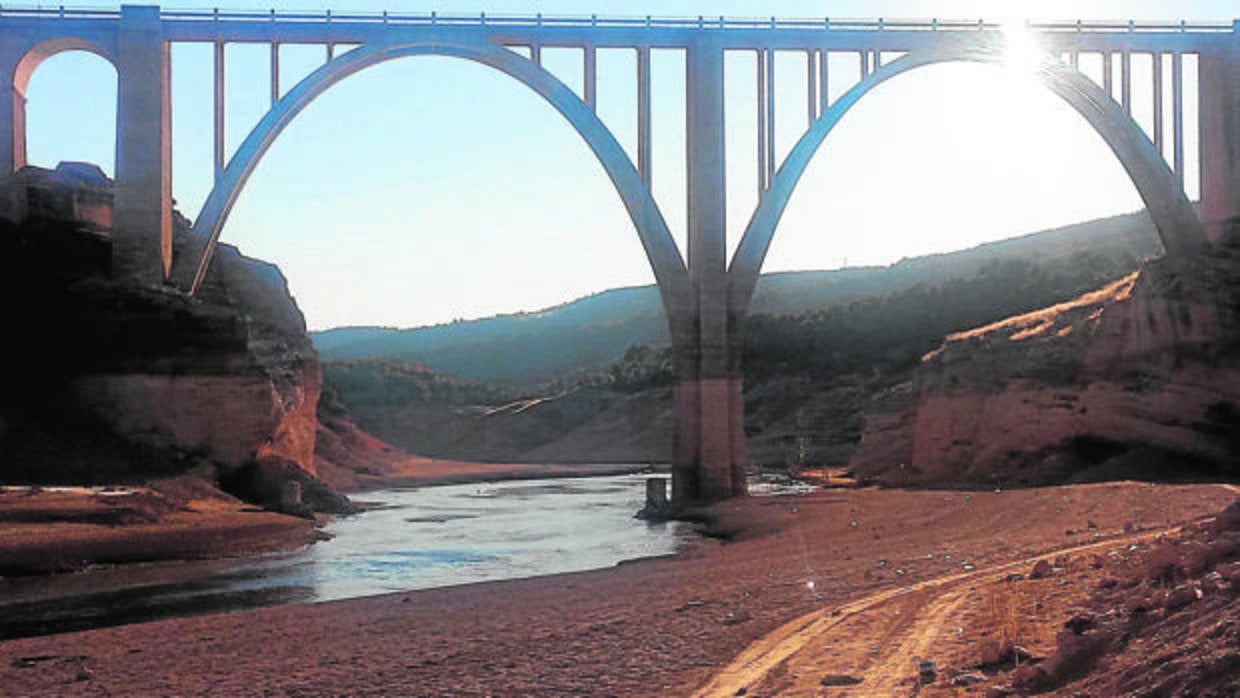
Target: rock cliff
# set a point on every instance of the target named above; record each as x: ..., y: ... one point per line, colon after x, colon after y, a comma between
x: 101, y: 381
x: 1138, y: 379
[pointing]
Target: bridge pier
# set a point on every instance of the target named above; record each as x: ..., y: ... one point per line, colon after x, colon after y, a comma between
x: 142, y: 217
x: 1219, y: 98
x: 709, y: 457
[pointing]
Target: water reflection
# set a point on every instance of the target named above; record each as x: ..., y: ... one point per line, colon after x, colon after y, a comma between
x: 414, y: 539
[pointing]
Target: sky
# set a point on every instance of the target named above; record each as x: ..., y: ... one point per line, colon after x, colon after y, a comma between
x: 430, y: 189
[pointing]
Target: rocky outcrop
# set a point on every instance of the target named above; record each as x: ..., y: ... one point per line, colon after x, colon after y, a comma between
x: 1138, y: 379
x: 104, y: 381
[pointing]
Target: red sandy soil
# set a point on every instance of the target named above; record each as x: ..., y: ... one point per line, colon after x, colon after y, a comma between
x: 68, y: 528
x: 661, y: 627
x: 422, y: 471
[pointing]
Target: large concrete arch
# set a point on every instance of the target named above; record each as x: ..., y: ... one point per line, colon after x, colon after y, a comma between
x: 661, y: 251
x: 23, y: 69
x: 1178, y: 225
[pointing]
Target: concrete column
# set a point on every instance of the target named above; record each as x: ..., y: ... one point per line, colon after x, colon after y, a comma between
x: 686, y: 441
x: 142, y: 230
x: 1125, y: 76
x: 275, y: 72
x: 218, y: 95
x: 1219, y: 98
x: 1177, y: 116
x: 769, y: 102
x: 714, y: 386
x: 13, y: 116
x: 643, y: 113
x: 824, y: 96
x: 1108, y: 85
x: 12, y: 133
x: 1158, y: 101
x: 811, y: 90
x: 589, y: 84
x: 762, y: 125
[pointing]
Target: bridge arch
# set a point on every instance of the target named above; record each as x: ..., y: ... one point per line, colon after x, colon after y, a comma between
x: 661, y: 251
x: 1178, y: 224
x: 25, y: 67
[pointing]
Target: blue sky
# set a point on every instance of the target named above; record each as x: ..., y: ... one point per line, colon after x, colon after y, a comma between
x: 429, y: 189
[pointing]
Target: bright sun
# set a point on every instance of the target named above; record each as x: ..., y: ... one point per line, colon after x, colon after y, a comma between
x: 1023, y: 55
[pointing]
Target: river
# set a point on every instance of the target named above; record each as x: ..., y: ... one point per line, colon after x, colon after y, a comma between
x: 409, y: 538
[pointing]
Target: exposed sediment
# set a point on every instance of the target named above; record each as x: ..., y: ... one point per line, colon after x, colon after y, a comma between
x: 1138, y: 379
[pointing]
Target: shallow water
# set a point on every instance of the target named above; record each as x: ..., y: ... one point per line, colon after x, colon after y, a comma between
x: 409, y: 539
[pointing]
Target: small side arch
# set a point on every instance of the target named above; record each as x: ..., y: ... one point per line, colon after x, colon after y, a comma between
x: 661, y: 251
x: 25, y: 68
x: 1179, y: 227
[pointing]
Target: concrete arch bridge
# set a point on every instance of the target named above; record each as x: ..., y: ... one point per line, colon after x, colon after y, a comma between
x: 705, y: 295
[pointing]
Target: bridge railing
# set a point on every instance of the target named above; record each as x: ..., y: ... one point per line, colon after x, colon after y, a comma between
x: 701, y: 22
x: 60, y: 11
x: 1131, y: 26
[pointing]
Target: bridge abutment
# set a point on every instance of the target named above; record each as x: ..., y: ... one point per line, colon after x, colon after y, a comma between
x: 1219, y: 99
x: 142, y: 219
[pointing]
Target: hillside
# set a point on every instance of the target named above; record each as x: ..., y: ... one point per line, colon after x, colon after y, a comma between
x: 809, y: 372
x: 595, y: 331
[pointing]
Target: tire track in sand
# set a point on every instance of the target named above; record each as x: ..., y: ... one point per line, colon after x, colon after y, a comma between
x: 764, y: 655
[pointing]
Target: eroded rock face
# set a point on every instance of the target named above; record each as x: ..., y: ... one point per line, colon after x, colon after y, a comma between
x: 1117, y: 383
x: 101, y: 381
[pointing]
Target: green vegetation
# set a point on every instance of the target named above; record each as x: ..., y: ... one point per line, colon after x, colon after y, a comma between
x: 817, y: 346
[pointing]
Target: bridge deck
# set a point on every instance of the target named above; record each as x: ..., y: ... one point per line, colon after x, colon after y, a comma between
x: 655, y: 32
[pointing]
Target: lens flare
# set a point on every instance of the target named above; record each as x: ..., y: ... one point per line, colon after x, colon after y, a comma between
x: 1023, y: 55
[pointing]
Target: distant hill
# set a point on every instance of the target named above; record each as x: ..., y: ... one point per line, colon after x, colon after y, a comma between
x: 595, y: 331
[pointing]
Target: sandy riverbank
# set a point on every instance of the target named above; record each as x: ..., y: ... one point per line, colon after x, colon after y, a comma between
x: 416, y: 471
x: 60, y: 529
x: 659, y: 627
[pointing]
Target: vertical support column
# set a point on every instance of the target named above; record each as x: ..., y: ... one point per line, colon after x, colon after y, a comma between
x: 1125, y: 70
x: 1107, y: 81
x: 13, y: 115
x: 18, y: 131
x: 760, y: 64
x: 824, y: 96
x: 142, y: 218
x: 275, y: 73
x: 771, y: 162
x: 590, y: 77
x: 811, y: 87
x: 536, y: 53
x: 1218, y: 94
x: 1106, y: 75
x: 643, y: 113
x: 865, y: 64
x: 1177, y: 115
x: 12, y: 129
x: 219, y: 109
x: 1156, y: 57
x: 14, y: 155
x: 717, y: 385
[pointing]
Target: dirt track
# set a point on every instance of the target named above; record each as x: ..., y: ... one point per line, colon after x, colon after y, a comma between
x: 887, y: 632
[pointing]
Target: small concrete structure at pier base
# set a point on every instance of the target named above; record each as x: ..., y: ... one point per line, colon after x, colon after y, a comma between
x: 657, y: 508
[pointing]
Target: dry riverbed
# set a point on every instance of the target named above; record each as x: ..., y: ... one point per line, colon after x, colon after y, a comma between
x: 659, y: 627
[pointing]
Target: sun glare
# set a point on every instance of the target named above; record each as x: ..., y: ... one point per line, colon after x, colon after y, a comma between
x: 1022, y: 54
